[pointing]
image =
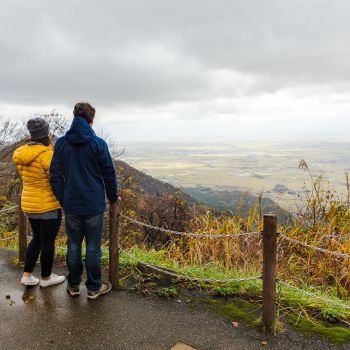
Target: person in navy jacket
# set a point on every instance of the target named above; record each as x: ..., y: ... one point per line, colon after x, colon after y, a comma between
x: 82, y: 175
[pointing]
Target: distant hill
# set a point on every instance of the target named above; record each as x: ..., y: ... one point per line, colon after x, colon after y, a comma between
x: 144, y: 184
x: 236, y: 201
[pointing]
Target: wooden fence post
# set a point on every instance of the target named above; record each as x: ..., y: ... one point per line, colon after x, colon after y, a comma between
x: 22, y: 235
x: 114, y: 244
x: 269, y: 271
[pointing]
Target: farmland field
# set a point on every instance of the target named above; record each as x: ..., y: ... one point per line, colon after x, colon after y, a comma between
x: 251, y: 166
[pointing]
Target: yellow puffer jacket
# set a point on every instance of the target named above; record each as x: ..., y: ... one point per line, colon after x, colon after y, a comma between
x: 33, y: 163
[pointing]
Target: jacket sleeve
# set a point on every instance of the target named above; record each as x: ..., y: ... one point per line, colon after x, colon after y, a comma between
x: 45, y: 161
x: 15, y: 161
x: 57, y: 176
x: 108, y: 173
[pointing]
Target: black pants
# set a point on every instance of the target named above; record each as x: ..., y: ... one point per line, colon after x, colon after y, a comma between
x: 43, y: 243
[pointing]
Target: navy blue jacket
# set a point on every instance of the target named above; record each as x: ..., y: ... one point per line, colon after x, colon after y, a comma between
x: 82, y: 171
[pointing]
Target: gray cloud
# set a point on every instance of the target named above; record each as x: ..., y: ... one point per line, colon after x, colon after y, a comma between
x: 157, y: 52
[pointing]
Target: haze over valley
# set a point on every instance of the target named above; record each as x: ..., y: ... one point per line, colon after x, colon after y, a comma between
x: 245, y: 166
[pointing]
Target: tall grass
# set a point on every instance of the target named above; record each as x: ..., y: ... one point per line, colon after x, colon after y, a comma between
x: 233, y: 253
x: 321, y: 219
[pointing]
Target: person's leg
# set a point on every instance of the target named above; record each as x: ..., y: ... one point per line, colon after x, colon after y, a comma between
x: 33, y: 249
x: 93, y: 227
x: 74, y: 227
x: 48, y: 232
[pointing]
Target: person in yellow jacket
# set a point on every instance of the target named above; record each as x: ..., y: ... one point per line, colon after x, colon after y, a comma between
x: 38, y: 202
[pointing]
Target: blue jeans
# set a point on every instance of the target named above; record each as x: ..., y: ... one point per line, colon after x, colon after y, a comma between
x: 90, y: 227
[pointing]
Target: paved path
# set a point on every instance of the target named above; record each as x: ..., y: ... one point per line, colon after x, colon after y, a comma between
x: 50, y: 319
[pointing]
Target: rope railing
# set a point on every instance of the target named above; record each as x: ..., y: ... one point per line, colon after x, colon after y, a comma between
x: 313, y: 295
x: 187, y: 277
x: 201, y: 235
x: 189, y: 234
x: 175, y: 274
x: 319, y: 249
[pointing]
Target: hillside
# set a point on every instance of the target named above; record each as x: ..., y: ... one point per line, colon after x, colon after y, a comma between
x: 235, y: 201
x: 144, y: 184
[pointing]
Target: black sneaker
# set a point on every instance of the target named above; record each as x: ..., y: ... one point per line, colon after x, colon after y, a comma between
x: 73, y: 291
x: 105, y: 288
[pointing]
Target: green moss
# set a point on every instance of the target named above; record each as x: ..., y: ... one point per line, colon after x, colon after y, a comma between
x: 333, y: 334
x: 209, y: 301
x: 252, y: 289
x: 170, y: 292
x: 241, y: 310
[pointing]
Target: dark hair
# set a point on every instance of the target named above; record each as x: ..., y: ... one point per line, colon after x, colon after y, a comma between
x: 45, y: 141
x: 84, y: 110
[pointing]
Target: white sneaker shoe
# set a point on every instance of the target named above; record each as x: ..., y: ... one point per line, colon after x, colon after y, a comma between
x: 29, y: 281
x: 54, y: 279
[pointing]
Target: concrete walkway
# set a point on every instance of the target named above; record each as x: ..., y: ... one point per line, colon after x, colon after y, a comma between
x: 50, y: 319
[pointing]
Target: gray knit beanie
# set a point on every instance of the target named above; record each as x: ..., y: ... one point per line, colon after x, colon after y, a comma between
x: 38, y: 128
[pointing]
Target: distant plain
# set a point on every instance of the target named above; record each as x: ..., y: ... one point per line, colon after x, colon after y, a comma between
x: 250, y: 166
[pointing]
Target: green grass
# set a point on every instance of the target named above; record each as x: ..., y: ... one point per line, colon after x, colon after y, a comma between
x: 304, y: 313
x: 331, y: 333
x: 168, y: 292
x: 289, y: 298
x: 317, y: 308
x: 159, y: 258
x: 241, y: 310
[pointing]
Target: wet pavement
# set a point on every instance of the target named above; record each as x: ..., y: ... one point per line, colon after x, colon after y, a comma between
x: 50, y: 319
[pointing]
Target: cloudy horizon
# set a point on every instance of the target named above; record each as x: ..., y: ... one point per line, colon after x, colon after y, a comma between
x: 165, y: 70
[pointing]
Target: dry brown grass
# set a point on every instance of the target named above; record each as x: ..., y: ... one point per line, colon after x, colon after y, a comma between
x: 321, y: 219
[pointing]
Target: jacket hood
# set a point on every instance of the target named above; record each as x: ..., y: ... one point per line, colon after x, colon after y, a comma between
x: 26, y: 154
x: 80, y: 131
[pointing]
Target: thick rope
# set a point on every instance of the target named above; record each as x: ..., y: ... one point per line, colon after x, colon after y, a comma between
x: 186, y: 277
x: 322, y: 250
x: 189, y: 234
x: 328, y: 301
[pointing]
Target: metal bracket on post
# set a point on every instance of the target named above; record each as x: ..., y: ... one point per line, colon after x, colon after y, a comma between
x: 114, y: 244
x: 269, y: 272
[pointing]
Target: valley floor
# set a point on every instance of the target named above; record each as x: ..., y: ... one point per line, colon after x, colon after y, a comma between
x: 49, y: 319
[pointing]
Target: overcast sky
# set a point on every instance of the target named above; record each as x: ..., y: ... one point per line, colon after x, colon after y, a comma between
x: 182, y: 69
